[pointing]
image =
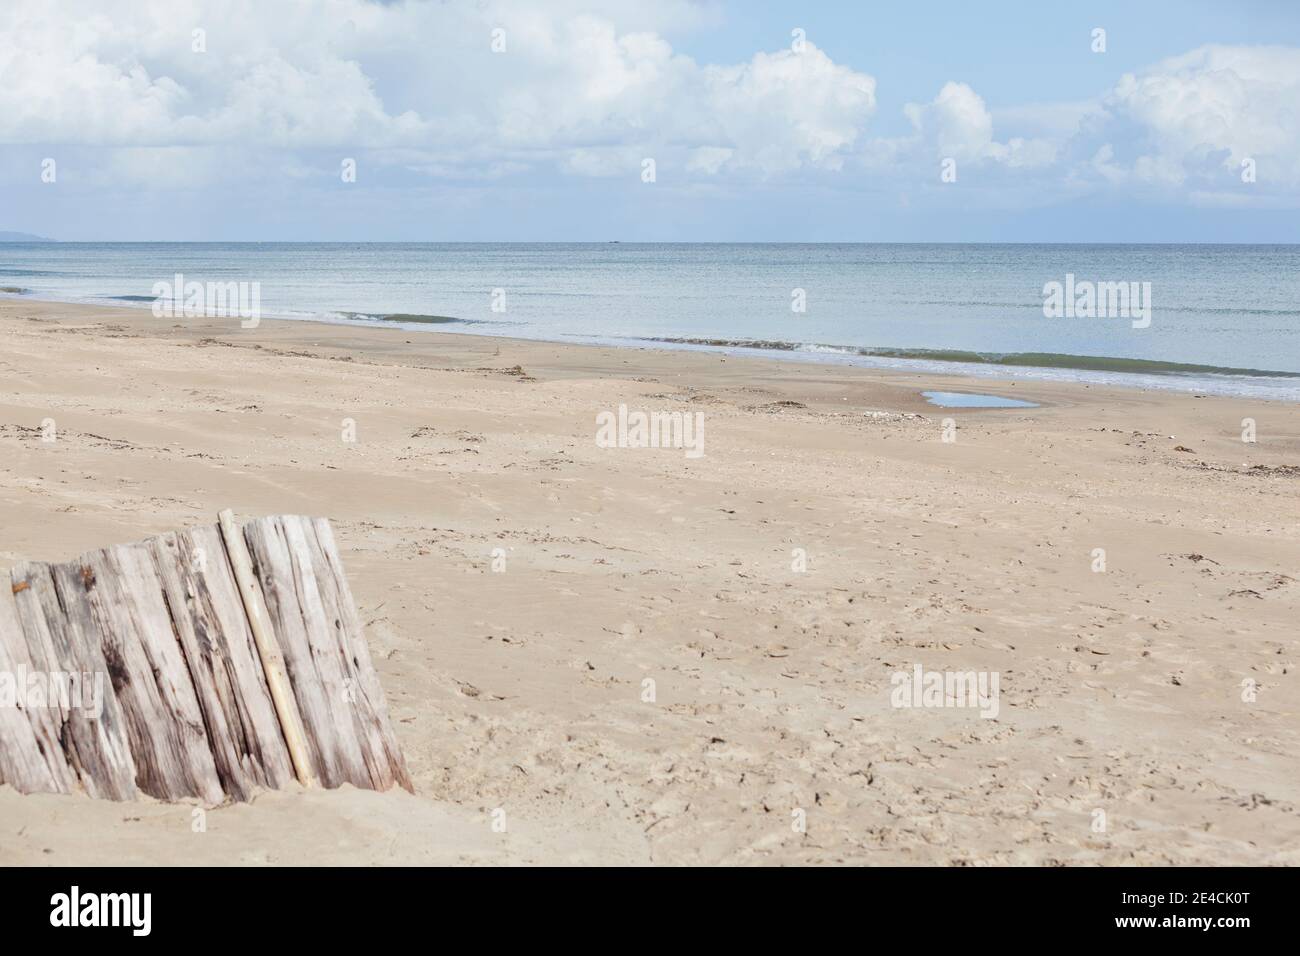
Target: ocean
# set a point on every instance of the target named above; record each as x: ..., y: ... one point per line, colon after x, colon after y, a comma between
x: 1214, y: 319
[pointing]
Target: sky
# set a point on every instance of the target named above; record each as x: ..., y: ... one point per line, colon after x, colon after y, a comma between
x: 594, y: 120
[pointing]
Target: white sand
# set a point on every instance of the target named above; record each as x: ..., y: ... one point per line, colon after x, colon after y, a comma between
x: 1119, y: 691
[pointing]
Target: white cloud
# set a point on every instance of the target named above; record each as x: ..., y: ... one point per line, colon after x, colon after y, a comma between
x: 1189, y: 121
x: 782, y: 110
x: 709, y: 159
x: 957, y: 124
x: 414, y: 88
x: 351, y: 73
x: 1179, y: 129
x: 1243, y: 99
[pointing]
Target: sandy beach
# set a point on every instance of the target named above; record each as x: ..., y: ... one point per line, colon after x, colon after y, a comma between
x: 636, y: 656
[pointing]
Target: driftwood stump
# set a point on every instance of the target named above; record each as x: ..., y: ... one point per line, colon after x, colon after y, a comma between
x: 137, y: 669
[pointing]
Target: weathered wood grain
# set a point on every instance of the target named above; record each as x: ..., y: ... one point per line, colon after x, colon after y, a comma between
x: 268, y: 649
x: 324, y: 654
x: 383, y: 753
x: 62, y: 639
x: 313, y: 665
x: 165, y: 727
x: 31, y: 755
x: 203, y: 664
x: 207, y: 613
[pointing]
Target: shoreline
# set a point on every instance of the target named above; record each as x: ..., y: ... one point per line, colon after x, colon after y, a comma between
x: 519, y: 584
x: 386, y: 342
x: 1094, y: 370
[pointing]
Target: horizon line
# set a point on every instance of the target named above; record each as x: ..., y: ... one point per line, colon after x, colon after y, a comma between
x: 636, y: 242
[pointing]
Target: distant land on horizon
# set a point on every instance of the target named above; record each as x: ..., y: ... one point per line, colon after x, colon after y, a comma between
x: 23, y: 237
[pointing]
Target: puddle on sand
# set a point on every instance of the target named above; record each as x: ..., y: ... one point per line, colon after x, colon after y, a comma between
x: 973, y: 400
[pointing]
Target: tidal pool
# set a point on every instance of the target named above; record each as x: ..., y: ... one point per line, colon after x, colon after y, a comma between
x: 973, y: 400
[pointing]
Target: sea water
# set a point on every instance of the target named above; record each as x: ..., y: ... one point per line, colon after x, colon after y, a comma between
x: 1222, y: 319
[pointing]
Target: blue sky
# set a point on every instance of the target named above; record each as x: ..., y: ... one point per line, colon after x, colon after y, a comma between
x: 1012, y: 52
x: 230, y: 120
